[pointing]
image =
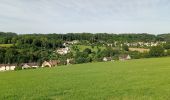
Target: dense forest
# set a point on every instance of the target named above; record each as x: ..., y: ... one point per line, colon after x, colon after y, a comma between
x: 6, y: 38
x: 39, y: 47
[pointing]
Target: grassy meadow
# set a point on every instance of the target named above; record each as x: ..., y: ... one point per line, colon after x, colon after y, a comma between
x: 83, y: 47
x: 6, y: 45
x: 144, y: 79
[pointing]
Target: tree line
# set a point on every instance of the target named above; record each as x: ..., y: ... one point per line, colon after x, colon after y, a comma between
x: 39, y: 47
x: 7, y: 38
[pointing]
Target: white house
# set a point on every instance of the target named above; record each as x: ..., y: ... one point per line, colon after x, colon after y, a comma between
x: 12, y: 67
x: 25, y: 66
x: 50, y: 63
x: 7, y: 67
x: 46, y: 64
x: 72, y: 42
x: 63, y: 51
x: 69, y: 61
x: 124, y: 57
x: 29, y: 65
x: 2, y: 67
x: 110, y: 45
x: 107, y: 59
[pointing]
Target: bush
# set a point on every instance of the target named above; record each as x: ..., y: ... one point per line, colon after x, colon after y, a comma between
x: 87, y: 50
x: 156, y: 51
x: 125, y: 47
x: 80, y: 60
x: 18, y: 68
x: 135, y: 54
x: 168, y: 52
x: 166, y: 46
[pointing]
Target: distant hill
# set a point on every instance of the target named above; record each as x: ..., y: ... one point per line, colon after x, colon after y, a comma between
x: 7, y: 34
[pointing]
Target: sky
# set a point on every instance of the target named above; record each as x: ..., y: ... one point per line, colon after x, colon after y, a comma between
x: 95, y: 16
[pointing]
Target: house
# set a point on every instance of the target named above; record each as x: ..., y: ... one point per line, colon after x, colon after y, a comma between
x: 67, y: 43
x: 33, y: 65
x: 29, y: 65
x: 12, y: 67
x: 63, y: 51
x: 46, y: 64
x: 70, y: 61
x: 25, y: 66
x: 110, y: 45
x: 2, y: 67
x: 72, y: 42
x: 107, y: 59
x: 50, y: 63
x: 7, y: 67
x: 124, y: 57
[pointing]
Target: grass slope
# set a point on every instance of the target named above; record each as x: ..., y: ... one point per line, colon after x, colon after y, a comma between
x: 6, y: 45
x: 145, y: 79
x: 83, y: 47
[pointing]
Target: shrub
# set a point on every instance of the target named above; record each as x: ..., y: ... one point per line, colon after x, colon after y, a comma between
x: 156, y: 51
x: 87, y: 50
x: 18, y: 68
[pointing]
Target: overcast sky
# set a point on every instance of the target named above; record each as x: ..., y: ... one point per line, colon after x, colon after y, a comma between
x: 62, y: 16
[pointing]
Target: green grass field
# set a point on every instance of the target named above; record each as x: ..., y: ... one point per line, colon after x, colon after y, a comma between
x: 6, y: 45
x: 144, y: 79
x: 83, y: 47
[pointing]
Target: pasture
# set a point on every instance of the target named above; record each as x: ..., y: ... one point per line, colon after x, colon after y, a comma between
x: 6, y: 45
x: 83, y: 47
x: 142, y: 50
x: 143, y: 79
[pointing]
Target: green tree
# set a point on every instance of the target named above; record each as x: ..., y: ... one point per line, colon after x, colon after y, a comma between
x: 156, y: 51
x: 125, y: 47
x: 166, y: 46
x: 11, y: 56
x: 87, y: 50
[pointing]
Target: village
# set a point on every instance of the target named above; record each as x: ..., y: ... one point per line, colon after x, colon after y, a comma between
x: 138, y: 46
x: 54, y: 63
x: 66, y: 50
x: 51, y: 63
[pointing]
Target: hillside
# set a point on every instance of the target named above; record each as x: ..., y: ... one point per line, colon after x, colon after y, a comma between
x: 129, y: 80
